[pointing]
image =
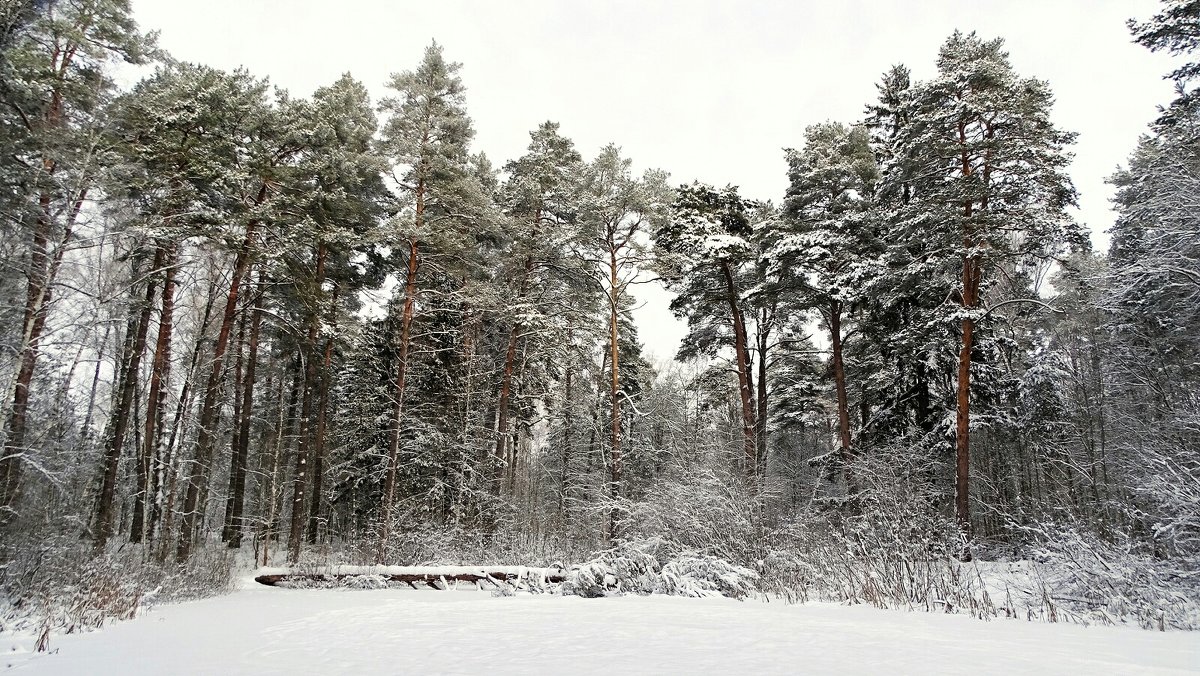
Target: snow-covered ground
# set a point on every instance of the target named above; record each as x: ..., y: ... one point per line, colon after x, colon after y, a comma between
x: 264, y: 630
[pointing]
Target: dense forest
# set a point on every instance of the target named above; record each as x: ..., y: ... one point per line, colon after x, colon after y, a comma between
x: 320, y: 328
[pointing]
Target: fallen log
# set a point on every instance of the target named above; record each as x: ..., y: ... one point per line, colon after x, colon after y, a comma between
x: 429, y: 575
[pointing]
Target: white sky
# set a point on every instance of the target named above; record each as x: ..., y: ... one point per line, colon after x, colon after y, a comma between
x: 704, y: 89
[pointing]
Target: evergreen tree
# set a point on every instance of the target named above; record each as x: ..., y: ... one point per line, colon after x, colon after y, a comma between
x: 540, y: 196
x: 906, y: 349
x: 828, y: 250
x: 337, y: 197
x: 989, y: 188
x: 259, y: 142
x: 426, y: 135
x: 57, y: 85
x: 705, y: 253
x: 176, y: 134
x: 1175, y: 30
x: 616, y: 211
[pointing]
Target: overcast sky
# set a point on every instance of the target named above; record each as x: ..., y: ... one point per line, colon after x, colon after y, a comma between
x: 704, y: 89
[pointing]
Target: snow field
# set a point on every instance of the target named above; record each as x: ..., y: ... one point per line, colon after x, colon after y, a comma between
x: 262, y: 630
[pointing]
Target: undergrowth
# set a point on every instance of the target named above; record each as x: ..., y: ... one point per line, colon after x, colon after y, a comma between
x: 59, y: 586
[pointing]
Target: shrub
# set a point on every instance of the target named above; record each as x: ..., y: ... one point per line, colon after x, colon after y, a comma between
x: 706, y: 576
x: 646, y: 567
x: 60, y: 586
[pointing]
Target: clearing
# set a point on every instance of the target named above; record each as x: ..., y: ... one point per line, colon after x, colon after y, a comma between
x: 265, y: 630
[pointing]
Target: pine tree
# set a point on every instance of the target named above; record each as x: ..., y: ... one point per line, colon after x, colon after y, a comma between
x: 57, y: 85
x: 828, y: 249
x: 989, y: 183
x: 256, y: 139
x: 426, y: 135
x: 907, y: 347
x: 706, y: 253
x: 616, y: 212
x: 336, y: 198
x: 1175, y: 30
x: 540, y: 197
x: 169, y: 170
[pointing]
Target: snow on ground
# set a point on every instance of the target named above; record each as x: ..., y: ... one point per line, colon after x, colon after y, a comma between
x: 265, y: 630
x: 448, y: 571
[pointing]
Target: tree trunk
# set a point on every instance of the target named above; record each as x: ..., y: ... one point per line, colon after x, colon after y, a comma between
x: 156, y: 397
x: 85, y: 441
x: 765, y: 322
x: 271, y: 490
x: 475, y: 575
x: 236, y: 500
x: 510, y: 358
x: 43, y: 269
x: 839, y: 380
x: 406, y: 317
x: 206, y: 434
x: 742, y: 352
x: 43, y: 266
x: 972, y: 273
x: 124, y: 410
x: 300, y: 476
x: 568, y: 407
x: 318, y: 446
x: 318, y: 463
x: 962, y: 505
x: 235, y: 437
x: 923, y: 400
x: 36, y: 297
x: 614, y: 486
x: 168, y: 474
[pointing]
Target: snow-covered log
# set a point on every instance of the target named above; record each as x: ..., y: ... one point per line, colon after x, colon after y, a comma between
x: 427, y: 575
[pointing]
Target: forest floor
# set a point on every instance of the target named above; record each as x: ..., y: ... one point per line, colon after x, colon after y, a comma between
x: 266, y: 630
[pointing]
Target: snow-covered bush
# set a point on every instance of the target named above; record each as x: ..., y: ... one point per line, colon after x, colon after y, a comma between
x: 629, y: 567
x: 706, y: 576
x: 414, y: 541
x: 366, y: 582
x: 504, y: 591
x: 646, y: 567
x: 1077, y: 576
x: 1168, y: 486
x: 701, y: 510
x: 887, y: 547
x: 883, y: 562
x: 60, y: 586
